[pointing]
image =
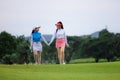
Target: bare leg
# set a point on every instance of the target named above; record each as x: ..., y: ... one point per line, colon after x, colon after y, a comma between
x: 59, y: 55
x: 35, y: 55
x: 62, y: 53
x: 39, y: 57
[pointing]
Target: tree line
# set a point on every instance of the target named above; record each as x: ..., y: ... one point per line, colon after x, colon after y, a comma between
x: 16, y: 49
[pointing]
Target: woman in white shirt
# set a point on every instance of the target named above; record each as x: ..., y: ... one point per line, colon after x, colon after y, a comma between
x: 61, y: 41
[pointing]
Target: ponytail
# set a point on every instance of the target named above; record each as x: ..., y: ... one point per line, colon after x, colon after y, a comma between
x: 56, y: 30
x: 32, y: 31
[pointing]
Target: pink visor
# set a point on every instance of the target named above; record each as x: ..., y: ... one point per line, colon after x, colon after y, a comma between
x: 58, y: 24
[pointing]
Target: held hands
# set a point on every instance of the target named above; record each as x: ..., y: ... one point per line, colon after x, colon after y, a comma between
x: 48, y: 44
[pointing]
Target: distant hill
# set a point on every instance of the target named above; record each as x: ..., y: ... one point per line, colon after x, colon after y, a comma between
x: 47, y: 37
x: 95, y: 34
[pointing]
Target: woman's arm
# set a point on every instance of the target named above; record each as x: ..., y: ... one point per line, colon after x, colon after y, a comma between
x: 44, y: 39
x: 53, y: 37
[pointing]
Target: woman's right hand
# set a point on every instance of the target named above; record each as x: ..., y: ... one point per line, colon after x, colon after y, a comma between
x: 48, y: 44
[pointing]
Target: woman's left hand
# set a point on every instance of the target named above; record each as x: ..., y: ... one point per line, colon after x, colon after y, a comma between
x: 67, y: 45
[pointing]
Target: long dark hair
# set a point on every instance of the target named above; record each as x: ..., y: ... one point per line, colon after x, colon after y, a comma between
x: 61, y: 26
x: 32, y: 31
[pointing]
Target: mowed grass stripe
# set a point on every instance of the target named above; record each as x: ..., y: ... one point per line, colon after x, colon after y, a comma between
x: 91, y: 71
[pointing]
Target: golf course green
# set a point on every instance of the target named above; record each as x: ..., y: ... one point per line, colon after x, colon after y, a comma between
x: 87, y: 71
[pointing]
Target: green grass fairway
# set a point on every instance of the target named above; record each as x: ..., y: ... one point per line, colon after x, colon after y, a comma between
x: 89, y: 71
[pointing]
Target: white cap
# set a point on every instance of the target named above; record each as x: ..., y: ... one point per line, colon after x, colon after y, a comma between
x: 36, y: 27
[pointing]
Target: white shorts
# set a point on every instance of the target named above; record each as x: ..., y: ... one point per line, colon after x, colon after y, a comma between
x: 37, y: 46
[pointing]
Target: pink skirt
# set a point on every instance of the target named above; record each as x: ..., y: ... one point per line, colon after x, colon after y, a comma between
x: 60, y: 42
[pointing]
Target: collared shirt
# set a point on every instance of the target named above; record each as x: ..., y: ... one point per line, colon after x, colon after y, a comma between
x: 36, y: 37
x: 59, y: 34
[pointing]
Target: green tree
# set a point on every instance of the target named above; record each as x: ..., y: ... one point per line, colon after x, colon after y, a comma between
x: 23, y: 52
x: 106, y: 46
x: 7, y: 47
x: 74, y: 49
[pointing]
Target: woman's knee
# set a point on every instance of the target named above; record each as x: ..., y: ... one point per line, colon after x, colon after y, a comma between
x: 35, y: 52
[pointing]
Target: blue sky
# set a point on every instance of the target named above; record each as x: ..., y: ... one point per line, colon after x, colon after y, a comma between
x: 79, y: 17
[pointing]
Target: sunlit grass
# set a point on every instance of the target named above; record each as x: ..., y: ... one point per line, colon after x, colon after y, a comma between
x: 90, y: 71
x: 86, y: 60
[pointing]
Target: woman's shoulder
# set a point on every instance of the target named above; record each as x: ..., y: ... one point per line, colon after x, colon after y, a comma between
x: 35, y: 33
x: 39, y: 32
x: 63, y: 30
